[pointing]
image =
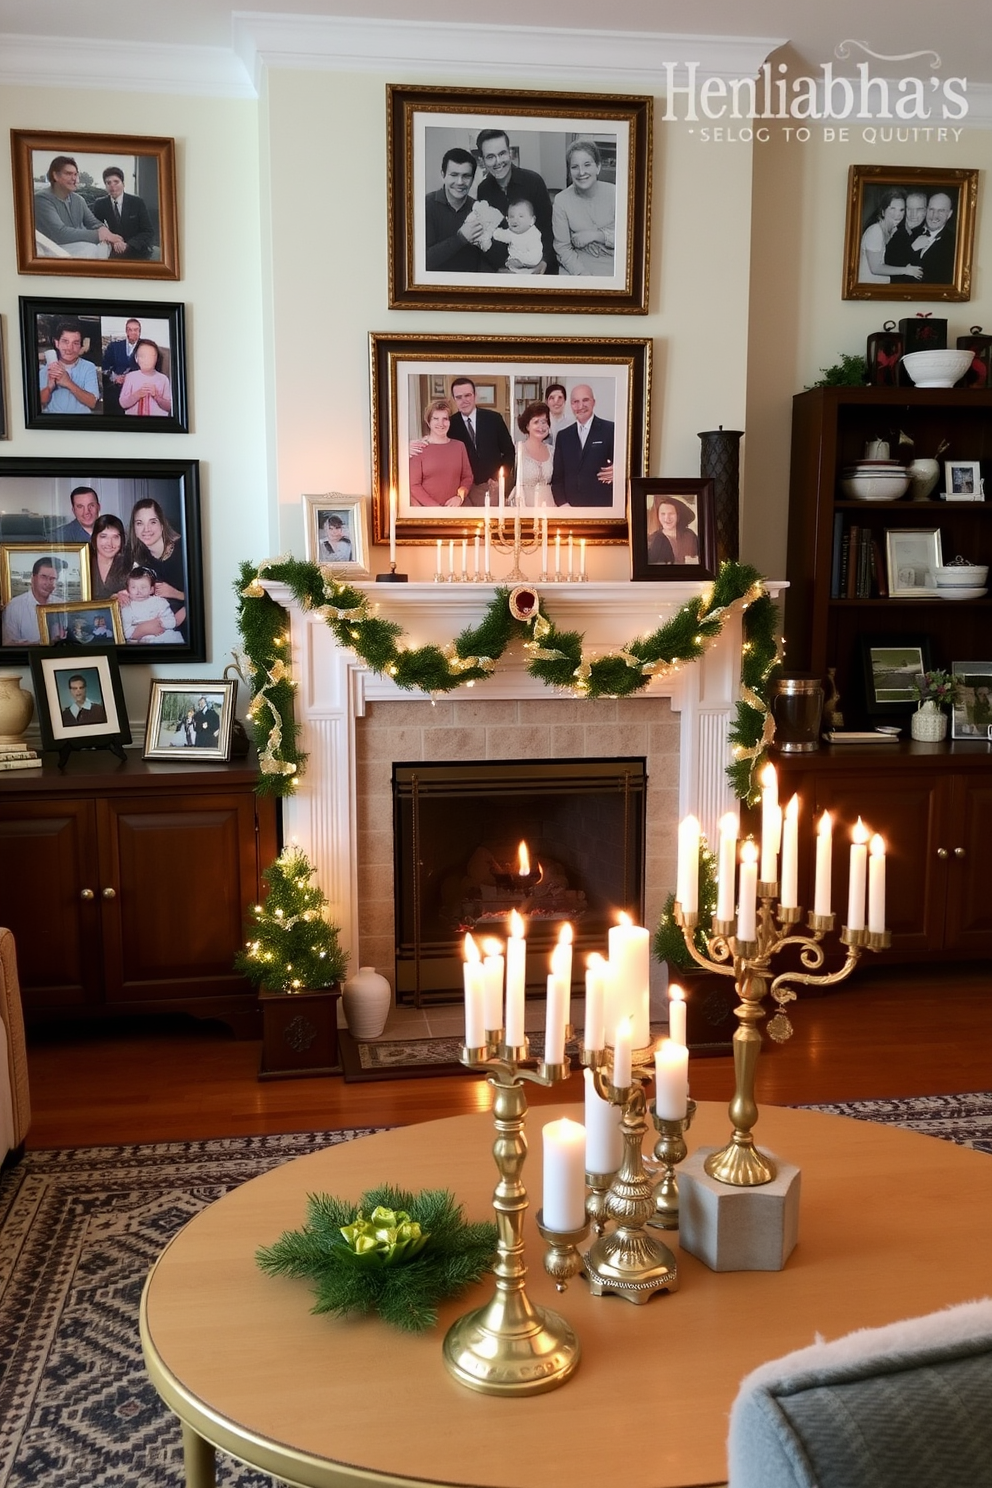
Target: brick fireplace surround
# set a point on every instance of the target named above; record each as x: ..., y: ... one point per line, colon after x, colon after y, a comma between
x: 354, y: 725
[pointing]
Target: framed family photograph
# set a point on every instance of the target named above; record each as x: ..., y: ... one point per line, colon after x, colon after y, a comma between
x: 103, y: 530
x: 190, y: 720
x: 80, y: 698
x: 912, y: 556
x: 337, y: 533
x: 459, y: 421
x: 672, y: 529
x: 971, y: 712
x: 500, y: 200
x: 84, y: 622
x: 910, y: 233
x: 963, y: 481
x: 891, y: 667
x: 98, y: 205
x: 104, y: 364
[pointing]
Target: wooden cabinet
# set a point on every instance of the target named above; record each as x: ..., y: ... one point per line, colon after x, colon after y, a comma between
x: 127, y: 887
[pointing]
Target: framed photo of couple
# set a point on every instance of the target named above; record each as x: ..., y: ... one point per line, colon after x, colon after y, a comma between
x: 553, y: 426
x: 504, y: 200
x: 910, y: 233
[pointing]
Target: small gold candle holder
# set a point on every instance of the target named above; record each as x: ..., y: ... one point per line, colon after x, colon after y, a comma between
x: 561, y: 1259
x: 670, y: 1149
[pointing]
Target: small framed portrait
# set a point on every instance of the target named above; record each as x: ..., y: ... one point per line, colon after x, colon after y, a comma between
x: 104, y: 364
x: 963, y: 481
x: 971, y: 713
x: 672, y: 531
x: 891, y: 667
x: 502, y: 200
x: 485, y: 438
x: 337, y: 533
x: 97, y: 205
x: 190, y: 720
x: 910, y: 233
x: 912, y: 557
x: 33, y: 574
x: 83, y: 622
x: 80, y: 698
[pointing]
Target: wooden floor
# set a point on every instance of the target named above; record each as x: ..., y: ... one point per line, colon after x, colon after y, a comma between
x: 890, y: 1032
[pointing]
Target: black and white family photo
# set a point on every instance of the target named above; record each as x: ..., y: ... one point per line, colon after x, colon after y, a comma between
x: 910, y: 233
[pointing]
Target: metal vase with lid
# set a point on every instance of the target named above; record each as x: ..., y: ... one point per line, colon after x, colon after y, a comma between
x: 797, y: 707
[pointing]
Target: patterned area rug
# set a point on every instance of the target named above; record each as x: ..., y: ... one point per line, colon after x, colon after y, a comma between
x: 79, y: 1230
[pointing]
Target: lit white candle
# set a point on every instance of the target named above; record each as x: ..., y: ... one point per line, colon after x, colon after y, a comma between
x: 630, y: 969
x: 519, y: 473
x: 687, y: 876
x: 770, y: 827
x: 824, y: 864
x: 544, y: 544
x: 516, y: 979
x: 493, y: 967
x: 392, y: 524
x: 594, y: 1032
x: 557, y: 553
x: 561, y: 967
x: 676, y: 1014
x: 671, y: 1080
x: 439, y: 557
x: 502, y: 491
x: 564, y: 1202
x: 570, y: 555
x: 789, y: 892
x: 554, y: 1022
x: 475, y: 570
x: 604, y: 1144
x: 747, y: 902
x: 475, y: 1023
x: 582, y: 557
x: 485, y: 522
x: 464, y: 557
x: 621, y: 1052
x: 876, y: 885
x: 856, y: 880
x: 451, y: 558
x: 727, y: 867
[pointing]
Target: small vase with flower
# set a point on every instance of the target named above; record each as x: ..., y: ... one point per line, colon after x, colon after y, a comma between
x: 935, y: 691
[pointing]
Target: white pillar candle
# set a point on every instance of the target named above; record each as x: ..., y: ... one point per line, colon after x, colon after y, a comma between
x: 621, y: 1052
x: 518, y: 480
x: 516, y: 978
x: 485, y: 524
x: 544, y: 544
x: 493, y: 966
x: 876, y: 885
x: 856, y: 880
x: 502, y: 491
x: 472, y: 973
x: 554, y: 1022
x: 475, y: 570
x: 789, y: 892
x: 727, y: 867
x: 687, y: 877
x: 451, y: 557
x: 769, y: 824
x: 561, y: 967
x: 594, y: 1032
x: 464, y: 557
x: 604, y: 1144
x: 570, y: 554
x: 582, y: 557
x: 824, y: 855
x: 439, y: 557
x: 630, y: 966
x: 564, y: 1202
x: 392, y: 524
x: 671, y: 1080
x: 557, y: 552
x: 676, y: 1014
x: 747, y: 902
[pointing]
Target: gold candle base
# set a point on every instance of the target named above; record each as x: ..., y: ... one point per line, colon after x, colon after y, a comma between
x: 598, y: 1185
x: 670, y: 1150
x: 561, y: 1259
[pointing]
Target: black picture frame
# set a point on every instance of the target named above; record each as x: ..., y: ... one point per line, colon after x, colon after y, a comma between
x: 149, y: 166
x: 101, y: 327
x: 424, y: 124
x: 693, y: 504
x: 901, y: 658
x: 868, y: 191
x: 35, y: 505
x: 52, y: 672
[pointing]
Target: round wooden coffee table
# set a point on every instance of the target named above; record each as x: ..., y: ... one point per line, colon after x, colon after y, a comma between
x: 892, y: 1224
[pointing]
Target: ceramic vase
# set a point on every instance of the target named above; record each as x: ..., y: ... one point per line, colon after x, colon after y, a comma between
x: 16, y: 708
x: 929, y: 723
x: 923, y: 476
x: 366, y: 998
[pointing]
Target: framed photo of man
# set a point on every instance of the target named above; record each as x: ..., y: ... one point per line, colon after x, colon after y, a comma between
x: 97, y: 205
x: 103, y: 530
x: 910, y: 233
x: 80, y: 698
x: 190, y: 720
x: 518, y: 201
x: 456, y: 426
x: 337, y: 533
x: 672, y: 529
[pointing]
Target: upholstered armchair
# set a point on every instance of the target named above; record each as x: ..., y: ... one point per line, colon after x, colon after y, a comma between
x: 15, y: 1106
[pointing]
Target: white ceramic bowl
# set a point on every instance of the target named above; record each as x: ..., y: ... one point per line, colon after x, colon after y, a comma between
x: 957, y: 576
x: 937, y: 368
x: 875, y: 487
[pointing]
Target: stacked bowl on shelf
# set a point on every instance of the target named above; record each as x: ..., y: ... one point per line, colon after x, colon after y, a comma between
x: 874, y: 480
x: 960, y: 580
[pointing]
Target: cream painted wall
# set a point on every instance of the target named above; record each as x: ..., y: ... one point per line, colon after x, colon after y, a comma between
x: 220, y: 262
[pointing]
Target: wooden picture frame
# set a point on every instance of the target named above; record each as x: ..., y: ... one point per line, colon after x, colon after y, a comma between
x: 971, y: 712
x: 4, y: 426
x: 57, y: 244
x: 912, y: 556
x: 890, y: 665
x: 336, y: 530
x: 190, y: 720
x: 874, y: 236
x: 672, y: 529
x: 98, y: 344
x: 50, y: 506
x: 57, y: 697
x: 963, y: 481
x: 535, y: 141
x: 84, y: 622
x: 406, y: 369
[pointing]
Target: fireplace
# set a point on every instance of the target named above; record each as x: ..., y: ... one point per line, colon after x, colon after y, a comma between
x: 557, y: 840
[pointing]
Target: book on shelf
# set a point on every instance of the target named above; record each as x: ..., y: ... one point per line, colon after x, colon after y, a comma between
x: 12, y: 753
x: 853, y: 556
x: 837, y: 558
x: 20, y: 764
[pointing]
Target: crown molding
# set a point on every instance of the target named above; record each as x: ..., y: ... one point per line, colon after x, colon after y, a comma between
x: 122, y: 66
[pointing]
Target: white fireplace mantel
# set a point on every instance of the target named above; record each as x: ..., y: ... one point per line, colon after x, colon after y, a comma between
x: 334, y: 686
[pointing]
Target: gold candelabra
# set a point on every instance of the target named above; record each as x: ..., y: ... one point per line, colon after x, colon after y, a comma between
x: 507, y: 536
x: 740, y: 1163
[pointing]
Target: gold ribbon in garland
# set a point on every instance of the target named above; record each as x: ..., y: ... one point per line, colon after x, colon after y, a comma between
x: 466, y: 663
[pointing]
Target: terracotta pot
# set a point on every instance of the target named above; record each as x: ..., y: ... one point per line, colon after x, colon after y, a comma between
x: 16, y: 708
x: 367, y: 998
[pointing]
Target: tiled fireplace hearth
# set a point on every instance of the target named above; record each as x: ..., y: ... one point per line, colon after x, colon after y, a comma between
x: 355, y: 725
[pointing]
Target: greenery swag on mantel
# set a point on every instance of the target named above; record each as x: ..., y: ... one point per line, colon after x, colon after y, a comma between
x: 556, y: 657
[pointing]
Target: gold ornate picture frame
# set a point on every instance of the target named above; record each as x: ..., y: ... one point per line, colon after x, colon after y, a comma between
x: 910, y: 233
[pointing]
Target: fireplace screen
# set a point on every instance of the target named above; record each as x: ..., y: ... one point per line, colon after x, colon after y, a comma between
x: 557, y: 840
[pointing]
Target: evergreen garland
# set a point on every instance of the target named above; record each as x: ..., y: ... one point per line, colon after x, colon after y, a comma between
x: 428, y: 1253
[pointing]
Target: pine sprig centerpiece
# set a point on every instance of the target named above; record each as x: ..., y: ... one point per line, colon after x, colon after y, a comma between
x: 395, y: 1253
x: 291, y: 947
